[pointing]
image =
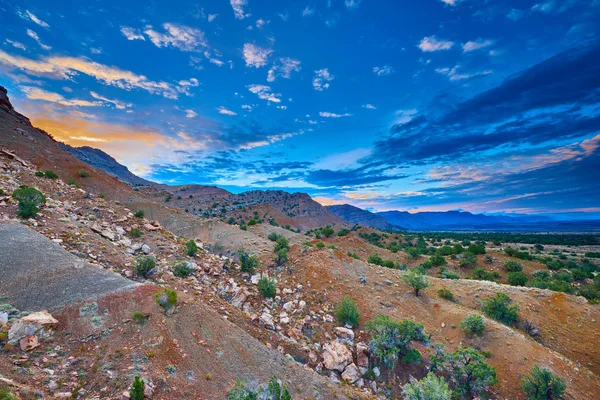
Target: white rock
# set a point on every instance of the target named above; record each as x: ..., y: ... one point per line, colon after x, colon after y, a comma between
x: 351, y: 374
x: 336, y: 356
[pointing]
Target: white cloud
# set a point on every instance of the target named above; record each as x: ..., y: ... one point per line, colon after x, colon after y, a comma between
x: 35, y: 37
x: 369, y: 106
x: 352, y: 4
x: 223, y: 110
x: 284, y: 16
x: 264, y: 92
x: 238, y: 8
x: 308, y: 11
x: 326, y: 114
x: 322, y: 79
x: 450, y: 2
x: 404, y: 116
x: 27, y: 15
x: 454, y: 75
x: 66, y: 68
x: 515, y: 14
x: 190, y: 114
x: 182, y: 37
x: 96, y: 50
x: 473, y: 45
x: 546, y: 7
x: 18, y: 45
x: 282, y: 107
x: 212, y: 17
x: 247, y: 107
x: 255, y: 56
x: 118, y: 104
x: 260, y: 23
x: 383, y: 71
x: 34, y: 93
x: 431, y: 43
x: 132, y: 33
x: 283, y: 68
x: 216, y: 61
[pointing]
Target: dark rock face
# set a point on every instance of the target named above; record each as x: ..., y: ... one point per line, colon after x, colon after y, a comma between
x: 4, y: 101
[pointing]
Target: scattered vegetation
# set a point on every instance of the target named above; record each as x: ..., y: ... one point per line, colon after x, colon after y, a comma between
x: 137, y: 389
x: 347, y: 312
x: 513, y: 266
x: 191, y: 248
x: 415, y: 280
x: 248, y: 261
x: 83, y: 174
x: 472, y: 324
x: 50, y: 174
x: 139, y: 318
x: 429, y: 388
x: 30, y: 199
x: 446, y: 294
x: 139, y: 214
x: 144, y: 265
x: 391, y: 339
x: 183, y: 269
x: 281, y: 251
x: 542, y: 385
x: 135, y: 233
x: 167, y: 299
x: 273, y: 391
x: 498, y: 307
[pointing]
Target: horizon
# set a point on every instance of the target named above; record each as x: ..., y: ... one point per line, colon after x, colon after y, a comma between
x: 449, y: 105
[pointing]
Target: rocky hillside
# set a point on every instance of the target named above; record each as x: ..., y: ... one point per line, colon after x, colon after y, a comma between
x: 361, y: 217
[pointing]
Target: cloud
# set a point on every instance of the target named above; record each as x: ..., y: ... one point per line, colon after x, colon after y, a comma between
x: 260, y: 23
x: 212, y: 17
x: 34, y: 93
x: 238, y: 8
x: 369, y: 106
x: 321, y: 79
x: 117, y: 103
x: 346, y: 178
x: 352, y: 4
x: 431, y: 43
x: 35, y: 37
x: 283, y: 68
x: 450, y: 2
x: 27, y: 15
x: 454, y: 75
x: 66, y: 68
x: 132, y: 33
x: 404, y: 116
x: 476, y: 45
x: 515, y: 14
x: 264, y: 92
x: 308, y: 11
x: 383, y: 71
x: 190, y: 114
x: 326, y: 114
x: 223, y: 110
x: 182, y: 37
x: 16, y: 44
x: 255, y: 56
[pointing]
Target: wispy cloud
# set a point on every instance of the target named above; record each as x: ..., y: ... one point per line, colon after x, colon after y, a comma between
x: 28, y: 15
x: 264, y: 92
x: 35, y: 37
x: 321, y: 79
x: 238, y: 8
x: 190, y: 114
x: 431, y: 43
x: 224, y: 111
x: 117, y: 103
x: 283, y: 68
x: 16, y: 44
x: 383, y: 71
x: 454, y: 75
x: 451, y: 2
x: 326, y: 114
x: 352, y: 4
x: 255, y: 56
x: 183, y: 37
x: 369, y: 106
x: 132, y: 33
x: 34, y: 93
x: 308, y: 11
x: 477, y: 44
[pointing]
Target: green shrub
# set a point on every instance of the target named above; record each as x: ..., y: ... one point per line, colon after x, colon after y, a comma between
x: 144, y: 265
x: 467, y: 259
x: 438, y: 260
x: 445, y: 293
x: 375, y: 259
x: 167, y: 299
x: 347, y: 312
x: 473, y: 374
x: 139, y: 318
x: 191, y: 248
x: 542, y: 385
x: 252, y: 222
x: 248, y: 261
x: 183, y: 269
x: 320, y: 245
x: 267, y: 287
x: 327, y: 231
x: 498, y: 307
x: 415, y: 280
x: 139, y: 214
x: 274, y: 236
x: 137, y: 389
x: 273, y: 391
x: 513, y: 266
x: 39, y: 173
x: 472, y: 324
x: 516, y: 279
x: 30, y: 199
x: 389, y: 264
x: 83, y: 174
x: 50, y: 174
x: 447, y: 274
x: 6, y: 394
x: 71, y: 181
x: 429, y: 388
x: 281, y: 249
x: 135, y: 233
x: 391, y: 339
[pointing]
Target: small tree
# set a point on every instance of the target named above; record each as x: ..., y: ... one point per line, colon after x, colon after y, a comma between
x: 183, y: 269
x: 267, y: 287
x: 542, y: 385
x: 248, y: 261
x: 191, y: 248
x: 473, y: 375
x: 415, y: 280
x: 467, y: 259
x: 50, y: 174
x: 498, y: 307
x: 139, y: 214
x: 429, y: 388
x: 347, y: 312
x: 445, y: 293
x: 137, y: 389
x: 513, y: 266
x: 144, y: 265
x: 438, y: 260
x: 472, y: 324
x: 516, y: 279
x: 327, y: 231
x: 390, y: 339
x: 30, y: 199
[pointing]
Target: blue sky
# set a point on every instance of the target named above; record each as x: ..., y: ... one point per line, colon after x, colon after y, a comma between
x: 487, y: 106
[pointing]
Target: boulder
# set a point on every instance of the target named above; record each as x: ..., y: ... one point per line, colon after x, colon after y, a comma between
x: 362, y: 354
x: 344, y: 333
x: 266, y: 320
x: 351, y: 374
x: 336, y: 356
x: 240, y: 294
x: 32, y: 324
